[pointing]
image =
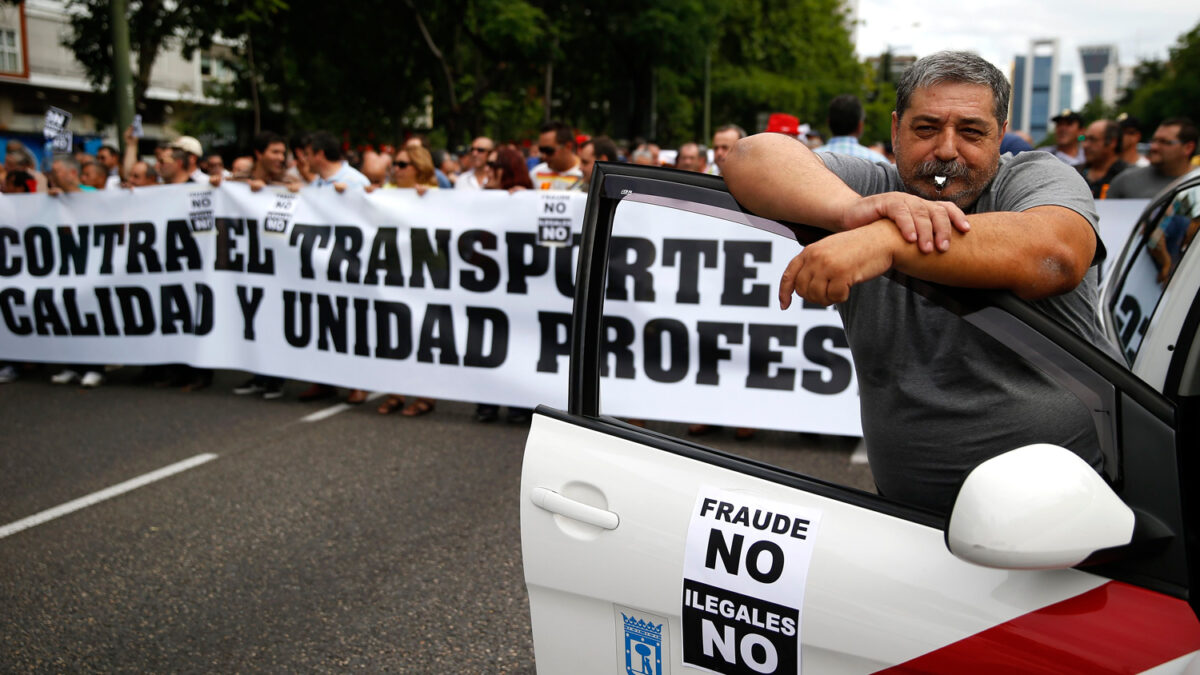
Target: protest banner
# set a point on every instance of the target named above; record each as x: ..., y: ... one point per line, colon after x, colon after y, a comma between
x: 448, y: 295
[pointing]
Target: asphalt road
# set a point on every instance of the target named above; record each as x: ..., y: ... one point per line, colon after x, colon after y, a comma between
x: 354, y: 542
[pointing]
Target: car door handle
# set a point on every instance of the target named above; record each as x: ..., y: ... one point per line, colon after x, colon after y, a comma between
x: 564, y: 506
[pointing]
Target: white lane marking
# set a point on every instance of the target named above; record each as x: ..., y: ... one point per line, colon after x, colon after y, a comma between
x: 335, y: 409
x: 859, y: 456
x: 107, y: 493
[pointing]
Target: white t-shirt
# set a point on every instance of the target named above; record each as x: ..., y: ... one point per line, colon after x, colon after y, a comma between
x: 467, y: 181
x: 545, y: 178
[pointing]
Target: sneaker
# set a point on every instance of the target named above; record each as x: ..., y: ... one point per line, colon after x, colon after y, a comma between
x: 486, y: 413
x: 65, y: 377
x: 91, y: 379
x: 7, y: 374
x: 273, y: 392
x: 251, y: 386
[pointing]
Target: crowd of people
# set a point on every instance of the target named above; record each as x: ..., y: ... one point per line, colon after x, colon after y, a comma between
x: 1105, y: 153
x: 560, y: 159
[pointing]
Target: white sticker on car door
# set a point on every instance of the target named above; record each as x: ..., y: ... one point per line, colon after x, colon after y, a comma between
x: 745, y: 568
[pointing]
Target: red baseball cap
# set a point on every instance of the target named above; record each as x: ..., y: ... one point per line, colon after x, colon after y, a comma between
x: 783, y: 123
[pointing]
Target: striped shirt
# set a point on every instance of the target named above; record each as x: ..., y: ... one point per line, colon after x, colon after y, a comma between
x: 849, y: 145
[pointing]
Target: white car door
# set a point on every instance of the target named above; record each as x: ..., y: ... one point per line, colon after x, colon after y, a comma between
x: 645, y: 553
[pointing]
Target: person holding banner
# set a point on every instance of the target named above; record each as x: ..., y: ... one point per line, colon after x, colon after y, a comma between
x: 141, y: 175
x: 64, y: 179
x: 109, y: 159
x: 925, y: 376
x: 475, y: 178
x: 18, y: 158
x: 412, y: 168
x: 270, y: 168
x: 64, y: 176
x: 506, y: 171
x: 93, y: 175
x: 559, y: 169
x: 325, y: 157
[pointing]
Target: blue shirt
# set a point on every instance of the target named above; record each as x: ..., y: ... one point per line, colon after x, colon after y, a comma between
x: 849, y: 145
x: 346, y: 174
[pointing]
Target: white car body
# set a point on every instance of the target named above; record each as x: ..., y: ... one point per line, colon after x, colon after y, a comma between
x: 619, y: 528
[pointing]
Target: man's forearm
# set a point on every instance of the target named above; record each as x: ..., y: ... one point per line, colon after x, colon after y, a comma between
x: 778, y: 177
x: 1035, y: 254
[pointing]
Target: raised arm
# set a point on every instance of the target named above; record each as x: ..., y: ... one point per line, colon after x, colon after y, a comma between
x: 778, y: 177
x: 131, y: 153
x: 1038, y: 253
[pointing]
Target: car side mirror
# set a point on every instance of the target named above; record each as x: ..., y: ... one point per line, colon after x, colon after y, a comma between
x: 1036, y: 507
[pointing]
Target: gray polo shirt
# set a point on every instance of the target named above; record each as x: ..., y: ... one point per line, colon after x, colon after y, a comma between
x: 939, y: 396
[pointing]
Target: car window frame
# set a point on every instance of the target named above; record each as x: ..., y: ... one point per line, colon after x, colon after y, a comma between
x: 1136, y: 242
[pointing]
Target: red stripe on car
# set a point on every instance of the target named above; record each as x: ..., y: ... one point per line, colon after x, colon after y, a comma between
x: 1115, y: 628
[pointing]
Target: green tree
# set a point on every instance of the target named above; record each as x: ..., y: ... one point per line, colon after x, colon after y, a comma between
x: 631, y: 68
x: 878, y: 104
x: 376, y: 71
x: 1097, y: 109
x: 789, y: 57
x: 481, y: 57
x: 1167, y: 89
x: 153, y: 24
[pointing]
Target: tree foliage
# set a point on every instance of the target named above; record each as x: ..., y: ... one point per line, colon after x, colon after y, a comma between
x: 1165, y: 89
x: 789, y: 57
x: 376, y: 71
x: 153, y: 26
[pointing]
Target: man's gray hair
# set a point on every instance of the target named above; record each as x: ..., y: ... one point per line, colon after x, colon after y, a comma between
x: 949, y: 66
x: 66, y: 159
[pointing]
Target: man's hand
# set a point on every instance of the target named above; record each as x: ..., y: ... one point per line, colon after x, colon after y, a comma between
x: 926, y: 223
x: 215, y: 180
x: 824, y: 271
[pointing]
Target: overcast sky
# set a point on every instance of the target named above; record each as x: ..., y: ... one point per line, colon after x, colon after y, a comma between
x: 999, y: 29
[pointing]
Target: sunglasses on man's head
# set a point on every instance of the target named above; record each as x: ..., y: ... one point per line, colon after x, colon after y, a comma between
x: 547, y: 149
x: 400, y: 164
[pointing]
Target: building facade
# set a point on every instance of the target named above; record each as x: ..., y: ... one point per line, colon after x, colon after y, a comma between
x: 1040, y: 91
x: 37, y: 72
x: 1102, y: 72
